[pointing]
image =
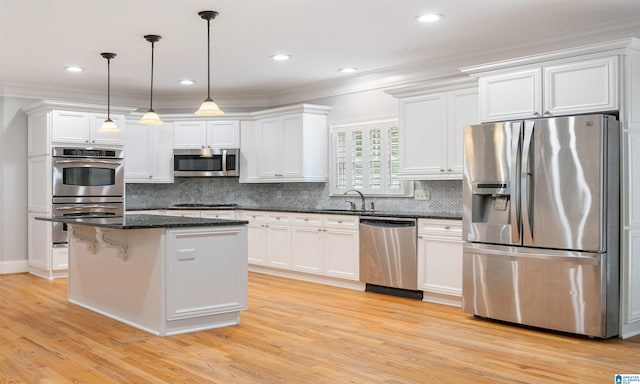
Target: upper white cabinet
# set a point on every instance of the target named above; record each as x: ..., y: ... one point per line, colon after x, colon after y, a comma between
x: 431, y: 127
x: 550, y: 90
x: 288, y: 144
x: 199, y: 134
x: 148, y: 153
x: 70, y: 127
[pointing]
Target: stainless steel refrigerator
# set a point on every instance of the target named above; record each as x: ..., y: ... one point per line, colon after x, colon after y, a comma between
x: 541, y: 223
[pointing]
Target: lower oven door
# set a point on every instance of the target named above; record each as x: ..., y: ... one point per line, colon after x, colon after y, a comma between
x: 60, y: 236
x: 88, y: 177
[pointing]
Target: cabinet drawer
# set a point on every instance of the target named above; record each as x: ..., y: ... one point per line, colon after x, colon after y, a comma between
x: 451, y: 229
x: 217, y: 214
x: 254, y: 216
x: 307, y: 220
x: 279, y: 218
x: 341, y: 222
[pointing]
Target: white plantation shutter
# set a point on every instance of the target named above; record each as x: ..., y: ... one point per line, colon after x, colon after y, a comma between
x: 365, y: 156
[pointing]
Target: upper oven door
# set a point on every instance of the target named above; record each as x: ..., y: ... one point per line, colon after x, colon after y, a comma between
x: 219, y: 162
x: 87, y: 177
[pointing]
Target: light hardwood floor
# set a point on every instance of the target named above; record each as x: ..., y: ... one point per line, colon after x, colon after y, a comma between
x: 293, y: 332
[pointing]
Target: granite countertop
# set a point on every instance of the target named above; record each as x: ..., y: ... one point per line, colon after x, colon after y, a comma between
x: 144, y: 221
x: 408, y: 214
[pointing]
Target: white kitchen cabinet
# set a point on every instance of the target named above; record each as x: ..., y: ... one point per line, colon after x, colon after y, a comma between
x: 198, y: 134
x: 269, y: 237
x: 148, y: 153
x: 288, y: 144
x: 71, y: 127
x: 326, y: 245
x: 182, y: 212
x: 341, y: 247
x: 44, y: 260
x: 550, y: 90
x: 218, y: 214
x: 440, y: 260
x: 431, y: 128
x: 40, y: 183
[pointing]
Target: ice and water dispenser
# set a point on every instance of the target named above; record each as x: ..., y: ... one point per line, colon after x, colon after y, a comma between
x: 490, y: 193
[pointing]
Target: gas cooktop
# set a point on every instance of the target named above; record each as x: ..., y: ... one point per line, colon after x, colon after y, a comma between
x: 204, y: 205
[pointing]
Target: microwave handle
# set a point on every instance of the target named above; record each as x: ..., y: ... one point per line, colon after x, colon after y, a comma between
x: 224, y: 162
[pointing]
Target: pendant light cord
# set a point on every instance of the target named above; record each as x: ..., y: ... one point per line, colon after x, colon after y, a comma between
x: 209, y: 59
x: 108, y: 89
x: 151, y: 96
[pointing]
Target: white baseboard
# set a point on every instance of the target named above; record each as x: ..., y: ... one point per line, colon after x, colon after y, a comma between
x: 13, y: 266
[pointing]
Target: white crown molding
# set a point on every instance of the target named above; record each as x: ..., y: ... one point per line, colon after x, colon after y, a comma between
x: 435, y: 85
x: 581, y: 52
x: 299, y: 108
x: 75, y: 106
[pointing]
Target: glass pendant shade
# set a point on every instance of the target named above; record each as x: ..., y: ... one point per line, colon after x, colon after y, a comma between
x: 209, y: 108
x: 108, y: 127
x: 151, y: 118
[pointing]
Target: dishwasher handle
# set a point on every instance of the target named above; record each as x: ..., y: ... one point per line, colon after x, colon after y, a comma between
x: 388, y: 223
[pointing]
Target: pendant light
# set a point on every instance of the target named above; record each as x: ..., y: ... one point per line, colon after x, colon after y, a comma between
x: 108, y: 125
x: 151, y: 117
x: 208, y: 106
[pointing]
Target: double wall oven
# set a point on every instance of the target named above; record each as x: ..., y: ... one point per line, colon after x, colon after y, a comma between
x: 86, y: 182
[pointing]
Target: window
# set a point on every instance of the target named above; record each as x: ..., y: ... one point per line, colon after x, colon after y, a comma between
x: 365, y: 157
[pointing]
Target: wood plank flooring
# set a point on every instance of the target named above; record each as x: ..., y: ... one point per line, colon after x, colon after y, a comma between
x: 293, y: 332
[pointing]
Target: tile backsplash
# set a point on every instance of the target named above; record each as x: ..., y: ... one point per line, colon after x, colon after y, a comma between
x: 445, y: 195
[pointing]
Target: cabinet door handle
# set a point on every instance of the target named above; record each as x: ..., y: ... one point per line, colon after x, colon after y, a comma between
x: 536, y: 114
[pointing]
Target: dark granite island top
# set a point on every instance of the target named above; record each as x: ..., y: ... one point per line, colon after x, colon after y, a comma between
x: 144, y: 221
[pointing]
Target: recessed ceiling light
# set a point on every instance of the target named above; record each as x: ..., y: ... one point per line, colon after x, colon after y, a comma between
x: 186, y: 82
x: 348, y: 69
x: 429, y: 18
x: 73, y: 69
x: 281, y: 57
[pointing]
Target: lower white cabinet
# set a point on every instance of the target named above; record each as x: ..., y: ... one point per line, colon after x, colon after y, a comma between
x: 315, y: 244
x: 326, y: 245
x: 44, y: 260
x: 218, y: 214
x: 269, y: 238
x: 440, y: 260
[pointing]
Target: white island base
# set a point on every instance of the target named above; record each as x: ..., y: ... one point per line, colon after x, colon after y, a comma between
x: 162, y: 280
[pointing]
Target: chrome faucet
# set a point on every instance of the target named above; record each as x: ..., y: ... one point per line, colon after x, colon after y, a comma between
x: 363, y: 205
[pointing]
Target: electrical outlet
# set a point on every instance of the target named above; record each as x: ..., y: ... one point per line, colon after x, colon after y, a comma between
x: 422, y: 195
x: 279, y: 194
x: 305, y: 194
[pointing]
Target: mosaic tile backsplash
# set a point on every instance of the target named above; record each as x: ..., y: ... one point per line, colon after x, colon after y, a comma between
x: 445, y: 195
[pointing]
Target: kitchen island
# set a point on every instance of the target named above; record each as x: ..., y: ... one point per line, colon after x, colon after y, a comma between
x: 163, y: 274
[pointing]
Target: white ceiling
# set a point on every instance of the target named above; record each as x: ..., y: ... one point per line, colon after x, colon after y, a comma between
x: 40, y: 37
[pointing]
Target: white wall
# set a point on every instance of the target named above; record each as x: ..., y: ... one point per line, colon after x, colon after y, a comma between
x: 361, y: 106
x: 13, y: 185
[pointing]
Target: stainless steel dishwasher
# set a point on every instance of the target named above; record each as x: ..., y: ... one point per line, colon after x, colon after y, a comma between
x: 388, y: 256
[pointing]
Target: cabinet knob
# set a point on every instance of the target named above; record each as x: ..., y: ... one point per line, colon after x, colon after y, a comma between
x: 536, y: 114
x: 339, y: 221
x: 441, y: 170
x: 93, y: 141
x: 547, y: 112
x: 420, y: 237
x: 319, y: 229
x: 86, y: 141
x: 447, y: 227
x: 449, y: 169
x: 306, y: 219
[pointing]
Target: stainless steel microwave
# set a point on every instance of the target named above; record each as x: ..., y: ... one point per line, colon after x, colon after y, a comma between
x: 206, y: 162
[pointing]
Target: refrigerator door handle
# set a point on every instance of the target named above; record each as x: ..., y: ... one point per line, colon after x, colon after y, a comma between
x: 516, y: 141
x: 526, y: 181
